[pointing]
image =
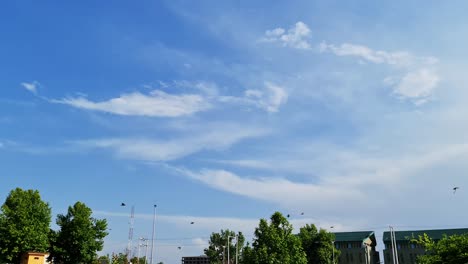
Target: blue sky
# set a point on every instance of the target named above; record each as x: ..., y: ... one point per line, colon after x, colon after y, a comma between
x: 223, y: 112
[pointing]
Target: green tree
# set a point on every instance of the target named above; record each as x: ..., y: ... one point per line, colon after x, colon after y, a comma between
x: 119, y: 258
x: 24, y: 225
x: 217, y: 250
x: 274, y: 243
x: 136, y: 260
x: 318, y: 245
x: 449, y: 250
x: 80, y: 236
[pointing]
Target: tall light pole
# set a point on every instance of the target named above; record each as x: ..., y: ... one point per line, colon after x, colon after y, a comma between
x: 224, y: 254
x: 237, y: 248
x: 229, y: 245
x: 333, y: 251
x: 333, y: 248
x: 152, y: 234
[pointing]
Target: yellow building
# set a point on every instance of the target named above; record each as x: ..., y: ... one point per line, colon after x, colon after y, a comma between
x: 34, y: 258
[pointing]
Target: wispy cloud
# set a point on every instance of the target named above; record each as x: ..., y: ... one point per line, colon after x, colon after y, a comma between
x: 418, y: 80
x: 164, y: 150
x: 270, y: 98
x: 158, y: 103
x: 31, y: 86
x: 415, y: 81
x: 281, y: 191
x: 155, y: 104
x: 296, y: 36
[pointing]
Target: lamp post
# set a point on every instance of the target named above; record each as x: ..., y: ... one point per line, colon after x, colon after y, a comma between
x: 152, y: 234
x: 229, y: 245
x: 224, y: 254
x: 237, y: 248
x: 333, y: 248
x: 333, y: 251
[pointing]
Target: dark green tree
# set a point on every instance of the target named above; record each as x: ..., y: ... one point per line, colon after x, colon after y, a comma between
x: 217, y: 249
x: 120, y: 258
x: 136, y: 260
x: 318, y: 245
x: 274, y: 243
x: 80, y: 236
x: 449, y: 250
x: 24, y: 225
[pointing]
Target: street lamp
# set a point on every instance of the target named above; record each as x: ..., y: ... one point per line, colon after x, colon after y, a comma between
x: 152, y: 234
x: 229, y: 245
x: 333, y: 248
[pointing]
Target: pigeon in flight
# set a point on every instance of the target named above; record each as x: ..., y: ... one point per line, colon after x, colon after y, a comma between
x: 455, y: 189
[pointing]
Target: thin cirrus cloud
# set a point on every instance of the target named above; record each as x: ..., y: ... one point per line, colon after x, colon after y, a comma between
x: 31, y: 86
x: 173, y: 149
x: 161, y: 104
x: 280, y: 191
x: 417, y: 78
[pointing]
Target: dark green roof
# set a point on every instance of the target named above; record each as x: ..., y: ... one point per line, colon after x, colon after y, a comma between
x: 353, y: 236
x: 435, y: 234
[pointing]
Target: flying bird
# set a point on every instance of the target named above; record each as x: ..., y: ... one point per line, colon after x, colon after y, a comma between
x: 122, y: 204
x: 455, y: 189
x: 288, y: 215
x: 302, y: 213
x: 192, y: 223
x: 179, y: 247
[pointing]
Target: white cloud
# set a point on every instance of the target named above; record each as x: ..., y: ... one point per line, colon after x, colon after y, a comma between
x: 32, y: 87
x: 161, y: 104
x: 270, y: 99
x: 295, y: 37
x: 281, y: 191
x: 214, y: 138
x: 399, y: 58
x: 155, y: 104
x: 419, y: 79
x: 417, y: 85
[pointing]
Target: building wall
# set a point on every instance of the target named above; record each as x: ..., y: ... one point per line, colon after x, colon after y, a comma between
x: 34, y: 258
x: 407, y: 252
x: 353, y: 252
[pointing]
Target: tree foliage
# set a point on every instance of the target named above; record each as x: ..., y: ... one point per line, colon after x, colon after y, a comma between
x: 80, y: 236
x: 217, y: 250
x: 24, y: 224
x: 274, y: 243
x: 449, y: 250
x: 318, y: 244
